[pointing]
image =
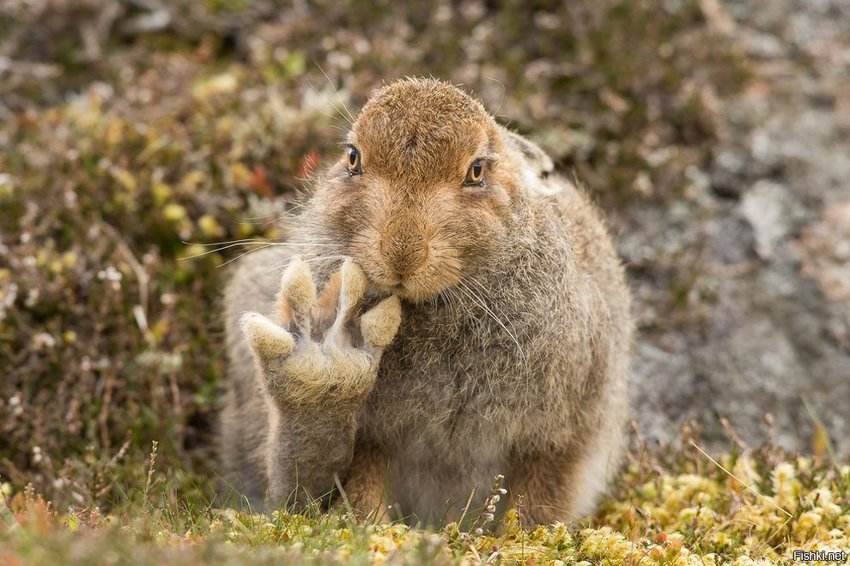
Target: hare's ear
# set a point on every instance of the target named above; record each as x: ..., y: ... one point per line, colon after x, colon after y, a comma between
x: 537, y: 159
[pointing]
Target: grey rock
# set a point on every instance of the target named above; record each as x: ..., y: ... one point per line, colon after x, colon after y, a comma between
x: 740, y: 293
x: 770, y: 210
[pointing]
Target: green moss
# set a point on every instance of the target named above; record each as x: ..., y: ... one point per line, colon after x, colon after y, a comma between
x: 679, y: 508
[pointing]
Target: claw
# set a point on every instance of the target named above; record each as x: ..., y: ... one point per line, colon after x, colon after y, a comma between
x: 297, y: 290
x: 265, y: 338
x: 380, y: 324
x: 353, y: 287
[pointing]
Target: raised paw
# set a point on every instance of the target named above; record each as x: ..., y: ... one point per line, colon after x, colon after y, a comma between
x: 318, y: 349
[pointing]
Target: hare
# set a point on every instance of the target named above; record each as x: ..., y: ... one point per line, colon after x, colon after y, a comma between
x: 478, y: 325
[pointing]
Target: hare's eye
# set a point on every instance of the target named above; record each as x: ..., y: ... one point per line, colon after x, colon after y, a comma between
x: 354, y: 165
x: 475, y: 174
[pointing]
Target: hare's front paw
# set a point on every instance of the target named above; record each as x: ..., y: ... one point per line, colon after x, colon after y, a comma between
x: 316, y: 350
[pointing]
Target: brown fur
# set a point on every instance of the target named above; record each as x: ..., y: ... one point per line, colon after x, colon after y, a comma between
x: 366, y: 483
x: 512, y: 354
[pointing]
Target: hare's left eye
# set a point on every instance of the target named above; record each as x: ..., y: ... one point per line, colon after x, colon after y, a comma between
x: 475, y: 174
x: 354, y: 165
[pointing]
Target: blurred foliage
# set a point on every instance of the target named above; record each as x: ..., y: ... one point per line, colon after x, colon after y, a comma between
x: 135, y: 136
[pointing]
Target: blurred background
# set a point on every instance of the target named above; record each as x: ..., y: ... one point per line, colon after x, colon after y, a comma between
x: 138, y: 138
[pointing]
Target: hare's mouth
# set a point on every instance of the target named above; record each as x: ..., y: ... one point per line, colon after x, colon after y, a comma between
x: 416, y: 287
x: 400, y: 288
x: 418, y: 290
x: 405, y: 289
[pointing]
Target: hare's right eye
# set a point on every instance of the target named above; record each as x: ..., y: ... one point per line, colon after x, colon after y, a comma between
x: 354, y: 165
x: 475, y: 174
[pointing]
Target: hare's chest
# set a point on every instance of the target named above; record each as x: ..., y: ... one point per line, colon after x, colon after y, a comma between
x: 447, y: 386
x: 446, y: 438
x: 452, y: 405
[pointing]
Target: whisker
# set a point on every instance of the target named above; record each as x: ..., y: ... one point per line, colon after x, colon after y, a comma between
x: 284, y: 264
x: 330, y: 102
x: 502, y: 97
x: 243, y: 255
x: 208, y: 244
x: 481, y: 303
x: 338, y: 97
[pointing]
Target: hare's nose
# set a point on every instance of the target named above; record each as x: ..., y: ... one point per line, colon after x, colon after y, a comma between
x: 404, y: 251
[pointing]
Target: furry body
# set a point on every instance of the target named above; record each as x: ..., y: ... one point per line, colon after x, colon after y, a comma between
x: 513, y: 360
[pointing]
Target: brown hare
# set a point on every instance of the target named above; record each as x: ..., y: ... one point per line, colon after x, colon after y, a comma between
x: 479, y: 325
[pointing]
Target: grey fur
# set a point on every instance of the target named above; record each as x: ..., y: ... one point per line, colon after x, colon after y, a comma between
x: 519, y: 370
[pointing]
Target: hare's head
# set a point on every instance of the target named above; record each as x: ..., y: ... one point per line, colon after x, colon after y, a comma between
x: 424, y: 192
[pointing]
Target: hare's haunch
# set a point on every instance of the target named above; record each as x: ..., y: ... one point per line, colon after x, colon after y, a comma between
x: 480, y: 326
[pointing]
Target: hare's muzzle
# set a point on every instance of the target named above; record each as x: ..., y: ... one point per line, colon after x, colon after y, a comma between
x: 404, y: 250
